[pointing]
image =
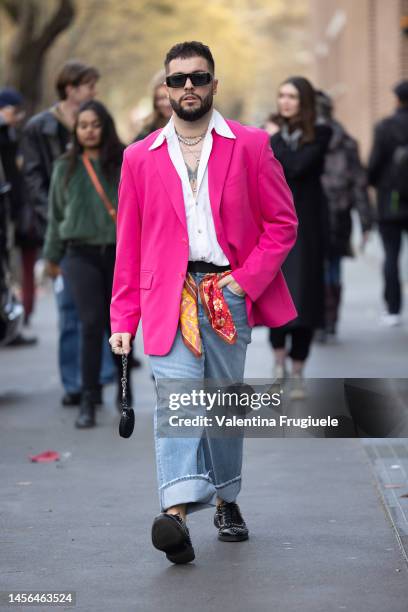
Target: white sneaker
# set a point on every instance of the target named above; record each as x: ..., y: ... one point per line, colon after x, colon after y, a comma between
x: 279, y: 372
x: 390, y: 320
x: 297, y: 387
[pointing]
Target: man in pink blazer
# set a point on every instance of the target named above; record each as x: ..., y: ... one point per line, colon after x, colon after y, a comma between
x: 205, y: 221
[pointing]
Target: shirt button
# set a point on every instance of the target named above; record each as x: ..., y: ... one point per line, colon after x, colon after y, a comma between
x: 200, y: 231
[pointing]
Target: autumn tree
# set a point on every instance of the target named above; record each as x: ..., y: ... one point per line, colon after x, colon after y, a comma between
x: 36, y: 28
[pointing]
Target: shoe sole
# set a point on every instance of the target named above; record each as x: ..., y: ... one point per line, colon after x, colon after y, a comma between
x: 229, y: 538
x: 169, y: 538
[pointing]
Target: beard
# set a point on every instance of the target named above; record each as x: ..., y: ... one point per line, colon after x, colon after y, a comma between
x: 195, y: 113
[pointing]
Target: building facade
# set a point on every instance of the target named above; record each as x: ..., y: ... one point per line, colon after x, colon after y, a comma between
x: 359, y: 51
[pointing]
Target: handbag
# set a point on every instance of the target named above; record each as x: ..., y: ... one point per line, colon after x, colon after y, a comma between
x: 127, y: 419
x: 98, y: 187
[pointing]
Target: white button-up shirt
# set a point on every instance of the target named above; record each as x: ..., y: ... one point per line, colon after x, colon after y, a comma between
x: 203, y: 243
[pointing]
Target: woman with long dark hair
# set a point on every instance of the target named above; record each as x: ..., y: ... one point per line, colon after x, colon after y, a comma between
x: 82, y: 215
x: 162, y: 110
x: 300, y: 146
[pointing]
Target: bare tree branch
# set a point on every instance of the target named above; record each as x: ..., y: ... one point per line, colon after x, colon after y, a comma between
x: 12, y: 8
x: 59, y: 22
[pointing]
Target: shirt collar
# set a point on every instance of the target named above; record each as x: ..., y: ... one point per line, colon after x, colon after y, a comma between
x: 217, y: 122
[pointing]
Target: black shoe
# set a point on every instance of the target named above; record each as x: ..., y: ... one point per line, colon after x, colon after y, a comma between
x: 229, y: 522
x: 170, y: 534
x: 86, y: 417
x: 71, y: 399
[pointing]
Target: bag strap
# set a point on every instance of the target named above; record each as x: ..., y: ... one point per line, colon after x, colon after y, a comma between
x: 98, y: 187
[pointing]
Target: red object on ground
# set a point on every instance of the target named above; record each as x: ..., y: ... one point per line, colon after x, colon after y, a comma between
x: 45, y: 457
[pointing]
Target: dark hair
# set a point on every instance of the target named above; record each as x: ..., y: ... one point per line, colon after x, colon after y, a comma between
x: 190, y: 49
x: 74, y: 73
x: 111, y: 148
x: 306, y: 118
x: 401, y: 91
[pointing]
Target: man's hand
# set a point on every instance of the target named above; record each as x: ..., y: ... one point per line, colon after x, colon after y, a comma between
x: 229, y: 280
x: 52, y: 269
x: 120, y: 343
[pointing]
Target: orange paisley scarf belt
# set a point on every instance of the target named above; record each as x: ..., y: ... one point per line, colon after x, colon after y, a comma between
x: 215, y: 307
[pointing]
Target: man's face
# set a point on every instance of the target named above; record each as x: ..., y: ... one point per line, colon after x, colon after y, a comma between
x: 81, y: 93
x: 190, y: 103
x: 12, y: 115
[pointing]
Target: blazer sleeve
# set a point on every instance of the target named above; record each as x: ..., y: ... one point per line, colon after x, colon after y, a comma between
x: 279, y: 223
x: 125, y: 303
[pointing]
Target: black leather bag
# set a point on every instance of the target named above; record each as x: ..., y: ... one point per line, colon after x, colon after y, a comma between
x: 127, y: 419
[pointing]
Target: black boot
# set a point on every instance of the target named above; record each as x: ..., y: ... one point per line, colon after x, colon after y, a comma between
x: 86, y: 417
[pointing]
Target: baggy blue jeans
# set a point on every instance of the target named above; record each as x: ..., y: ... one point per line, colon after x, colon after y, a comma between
x: 194, y: 471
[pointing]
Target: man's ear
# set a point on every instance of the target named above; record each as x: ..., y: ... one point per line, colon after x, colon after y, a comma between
x: 215, y: 86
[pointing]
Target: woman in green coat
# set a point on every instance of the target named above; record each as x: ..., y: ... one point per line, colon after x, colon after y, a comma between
x: 82, y: 214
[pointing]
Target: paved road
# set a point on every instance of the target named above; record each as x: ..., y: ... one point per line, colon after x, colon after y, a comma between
x: 323, y: 537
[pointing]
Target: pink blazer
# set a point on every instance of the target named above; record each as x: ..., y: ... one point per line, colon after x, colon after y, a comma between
x: 255, y: 223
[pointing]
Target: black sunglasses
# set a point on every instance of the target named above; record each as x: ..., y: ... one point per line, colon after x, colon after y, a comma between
x: 198, y: 79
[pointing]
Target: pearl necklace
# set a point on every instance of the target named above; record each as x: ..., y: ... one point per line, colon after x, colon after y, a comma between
x: 190, y: 142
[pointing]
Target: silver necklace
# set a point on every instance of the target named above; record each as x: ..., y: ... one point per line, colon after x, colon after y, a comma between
x: 190, y: 141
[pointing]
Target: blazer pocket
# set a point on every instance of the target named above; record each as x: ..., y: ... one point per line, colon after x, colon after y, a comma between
x: 146, y: 277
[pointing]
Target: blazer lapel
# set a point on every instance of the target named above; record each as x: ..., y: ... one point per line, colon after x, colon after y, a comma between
x: 171, y: 181
x: 218, y: 166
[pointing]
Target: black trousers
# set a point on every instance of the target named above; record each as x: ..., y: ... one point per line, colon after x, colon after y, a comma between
x: 301, y: 339
x: 391, y: 234
x: 90, y: 274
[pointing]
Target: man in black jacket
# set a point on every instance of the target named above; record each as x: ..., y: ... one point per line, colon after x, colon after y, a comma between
x: 390, y: 137
x: 46, y: 136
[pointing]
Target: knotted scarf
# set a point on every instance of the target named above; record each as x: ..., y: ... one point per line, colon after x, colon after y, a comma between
x: 215, y: 307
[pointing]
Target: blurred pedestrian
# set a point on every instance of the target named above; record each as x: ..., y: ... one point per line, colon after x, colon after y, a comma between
x: 161, y: 107
x: 11, y: 115
x: 388, y: 173
x: 345, y: 185
x: 46, y: 136
x: 301, y: 146
x: 82, y: 216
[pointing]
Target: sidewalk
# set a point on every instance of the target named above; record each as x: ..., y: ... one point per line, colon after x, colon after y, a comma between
x: 322, y: 530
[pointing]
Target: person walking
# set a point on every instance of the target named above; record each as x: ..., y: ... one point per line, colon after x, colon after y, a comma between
x: 11, y: 116
x: 388, y: 173
x: 162, y: 110
x: 81, y: 227
x: 301, y: 146
x: 205, y: 222
x: 345, y: 183
x: 46, y: 136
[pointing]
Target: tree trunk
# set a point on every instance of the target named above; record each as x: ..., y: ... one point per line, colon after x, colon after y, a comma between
x: 27, y: 54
